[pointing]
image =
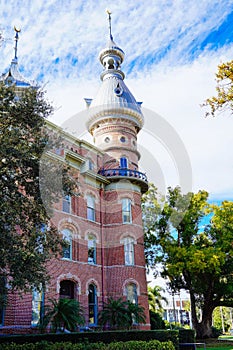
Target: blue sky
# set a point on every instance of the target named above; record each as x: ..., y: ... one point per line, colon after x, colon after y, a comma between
x: 172, y: 51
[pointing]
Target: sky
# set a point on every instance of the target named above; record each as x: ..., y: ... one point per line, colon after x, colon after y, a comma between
x: 172, y: 50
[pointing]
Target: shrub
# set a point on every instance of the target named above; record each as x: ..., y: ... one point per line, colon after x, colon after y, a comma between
x: 130, y: 345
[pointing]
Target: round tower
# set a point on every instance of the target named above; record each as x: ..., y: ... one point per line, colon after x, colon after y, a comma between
x: 115, y: 118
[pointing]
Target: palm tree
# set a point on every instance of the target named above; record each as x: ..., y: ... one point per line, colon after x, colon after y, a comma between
x: 63, y: 314
x: 114, y: 314
x: 136, y: 314
x: 155, y: 298
x: 119, y: 314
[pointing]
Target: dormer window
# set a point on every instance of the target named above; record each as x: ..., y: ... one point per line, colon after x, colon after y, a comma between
x: 118, y: 90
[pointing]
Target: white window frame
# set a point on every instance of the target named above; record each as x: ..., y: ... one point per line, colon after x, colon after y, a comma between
x: 90, y: 208
x: 129, y: 251
x: 126, y: 211
x: 37, y: 306
x: 67, y: 236
x: 66, y: 204
x: 91, y: 244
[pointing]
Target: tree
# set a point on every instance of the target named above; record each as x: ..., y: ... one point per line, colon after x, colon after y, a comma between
x: 120, y: 314
x: 155, y: 298
x: 27, y: 239
x: 64, y: 314
x: 195, y: 255
x: 224, y: 99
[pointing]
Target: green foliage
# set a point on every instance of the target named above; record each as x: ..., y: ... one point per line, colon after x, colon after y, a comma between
x: 63, y: 314
x: 199, y: 261
x: 155, y: 298
x: 95, y: 337
x: 24, y: 243
x: 224, y: 99
x: 131, y: 345
x: 119, y: 314
x: 156, y: 320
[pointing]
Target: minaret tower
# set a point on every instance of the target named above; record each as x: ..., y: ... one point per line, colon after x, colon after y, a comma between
x: 13, y: 76
x: 114, y: 120
x: 115, y: 117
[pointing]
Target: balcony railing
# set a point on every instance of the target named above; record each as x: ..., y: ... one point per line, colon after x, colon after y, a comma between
x: 123, y: 172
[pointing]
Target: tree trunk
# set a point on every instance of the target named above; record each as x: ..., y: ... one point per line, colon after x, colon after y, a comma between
x: 204, y: 328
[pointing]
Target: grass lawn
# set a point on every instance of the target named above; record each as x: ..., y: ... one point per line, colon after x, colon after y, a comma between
x: 224, y: 342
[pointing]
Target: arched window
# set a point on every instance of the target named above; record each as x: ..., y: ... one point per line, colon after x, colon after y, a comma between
x: 67, y: 249
x: 91, y: 249
x: 66, y: 204
x: 131, y: 291
x: 67, y: 288
x: 90, y: 208
x: 126, y: 211
x: 92, y: 304
x: 129, y: 250
x: 37, y: 306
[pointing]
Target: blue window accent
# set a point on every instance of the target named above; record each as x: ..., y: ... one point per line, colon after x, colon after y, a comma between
x: 123, y: 162
x: 92, y: 304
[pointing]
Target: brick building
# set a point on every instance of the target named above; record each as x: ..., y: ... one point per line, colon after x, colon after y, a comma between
x: 103, y: 222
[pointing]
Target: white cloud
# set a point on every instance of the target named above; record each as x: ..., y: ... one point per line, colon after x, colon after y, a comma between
x: 166, y: 66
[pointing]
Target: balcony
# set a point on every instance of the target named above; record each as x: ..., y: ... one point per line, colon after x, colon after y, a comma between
x: 133, y: 176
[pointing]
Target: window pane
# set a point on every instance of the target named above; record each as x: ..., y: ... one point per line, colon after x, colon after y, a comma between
x: 91, y: 208
x: 66, y: 204
x: 129, y: 251
x: 132, y: 293
x: 37, y: 306
x: 126, y: 210
x: 67, y: 249
x: 67, y: 289
x: 92, y: 305
x: 91, y: 250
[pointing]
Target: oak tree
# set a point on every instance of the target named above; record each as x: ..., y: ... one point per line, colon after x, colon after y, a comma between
x: 193, y: 242
x: 27, y: 239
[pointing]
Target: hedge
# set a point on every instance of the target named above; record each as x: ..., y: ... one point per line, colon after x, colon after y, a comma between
x: 95, y: 337
x: 175, y: 336
x: 129, y: 345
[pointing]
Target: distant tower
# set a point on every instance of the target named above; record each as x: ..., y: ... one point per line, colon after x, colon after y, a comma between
x: 13, y: 76
x: 115, y: 117
x: 114, y: 120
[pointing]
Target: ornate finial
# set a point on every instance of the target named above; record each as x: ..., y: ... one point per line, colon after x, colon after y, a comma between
x: 110, y: 24
x: 17, y: 31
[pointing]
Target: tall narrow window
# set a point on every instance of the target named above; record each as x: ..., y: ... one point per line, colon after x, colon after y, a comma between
x: 90, y: 208
x: 126, y: 211
x: 91, y: 249
x: 66, y: 204
x: 92, y: 304
x: 90, y: 165
x: 37, y: 306
x: 123, y: 162
x: 129, y: 250
x: 132, y: 293
x: 67, y: 249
